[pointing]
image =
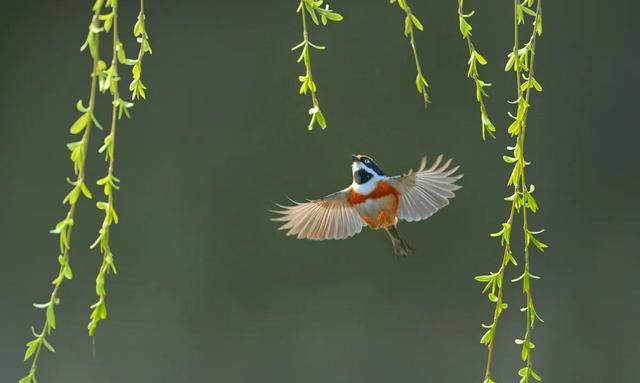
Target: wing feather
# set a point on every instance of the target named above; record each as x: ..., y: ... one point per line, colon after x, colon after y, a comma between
x: 424, y: 192
x: 330, y: 217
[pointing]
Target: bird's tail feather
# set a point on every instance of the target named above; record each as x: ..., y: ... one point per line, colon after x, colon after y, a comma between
x: 400, y: 246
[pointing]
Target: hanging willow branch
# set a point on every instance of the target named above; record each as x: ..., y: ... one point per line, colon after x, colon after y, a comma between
x: 64, y: 228
x: 102, y: 79
x: 475, y: 58
x: 318, y: 14
x: 521, y: 60
x: 109, y: 182
x: 526, y: 58
x: 136, y: 87
x: 411, y: 21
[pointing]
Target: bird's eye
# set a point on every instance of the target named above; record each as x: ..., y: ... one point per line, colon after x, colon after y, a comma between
x: 366, y: 161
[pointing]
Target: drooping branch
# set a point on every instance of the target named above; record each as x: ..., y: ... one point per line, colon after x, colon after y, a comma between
x: 318, y: 14
x: 64, y: 228
x: 411, y: 22
x: 102, y: 79
x: 525, y: 68
x: 109, y: 182
x: 475, y: 58
x: 521, y: 60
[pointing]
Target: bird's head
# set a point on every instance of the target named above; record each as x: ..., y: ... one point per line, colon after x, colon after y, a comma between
x: 365, y: 169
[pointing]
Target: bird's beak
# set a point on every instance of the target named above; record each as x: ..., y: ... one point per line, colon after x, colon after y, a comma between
x: 355, y: 158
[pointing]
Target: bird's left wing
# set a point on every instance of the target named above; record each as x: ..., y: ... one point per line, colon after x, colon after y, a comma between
x: 426, y: 191
x: 330, y: 217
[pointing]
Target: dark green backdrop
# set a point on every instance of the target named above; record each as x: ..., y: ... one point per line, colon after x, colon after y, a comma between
x: 207, y: 290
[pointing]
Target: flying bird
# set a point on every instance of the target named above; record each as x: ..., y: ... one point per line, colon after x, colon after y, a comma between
x: 374, y: 200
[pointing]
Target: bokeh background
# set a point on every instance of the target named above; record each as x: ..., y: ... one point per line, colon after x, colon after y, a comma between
x: 208, y: 290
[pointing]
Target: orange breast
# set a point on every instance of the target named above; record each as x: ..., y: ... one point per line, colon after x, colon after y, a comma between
x: 378, y: 208
x: 382, y: 189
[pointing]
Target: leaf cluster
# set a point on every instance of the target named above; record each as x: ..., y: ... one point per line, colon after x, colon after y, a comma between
x: 411, y: 22
x: 521, y: 61
x: 475, y: 59
x: 319, y: 15
x: 103, y: 78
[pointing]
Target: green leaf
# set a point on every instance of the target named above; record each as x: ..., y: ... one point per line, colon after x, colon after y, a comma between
x: 524, y: 352
x: 535, y: 375
x: 107, y: 21
x: 416, y: 22
x: 47, y: 345
x: 518, y: 278
x: 95, y: 121
x: 487, y: 126
x: 539, y: 25
x: 333, y: 16
x: 484, y: 278
x: 321, y: 121
x: 80, y: 124
x: 72, y: 196
x: 514, y: 128
x: 465, y: 27
x: 51, y: 316
x: 407, y: 25
x: 68, y: 273
x: 539, y: 245
x: 97, y: 5
x: 479, y: 58
x: 81, y: 108
x: 312, y: 12
x: 73, y: 145
x: 536, y: 84
x: 487, y: 337
x: 32, y: 346
x: 530, y: 202
x: 85, y: 190
x: 112, y: 210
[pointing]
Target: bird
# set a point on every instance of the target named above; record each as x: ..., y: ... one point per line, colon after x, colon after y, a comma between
x: 373, y: 200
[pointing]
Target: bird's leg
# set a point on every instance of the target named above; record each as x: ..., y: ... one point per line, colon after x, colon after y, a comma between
x: 400, y: 246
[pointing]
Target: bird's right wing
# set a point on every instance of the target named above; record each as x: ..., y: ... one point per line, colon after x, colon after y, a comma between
x: 426, y: 191
x: 330, y: 217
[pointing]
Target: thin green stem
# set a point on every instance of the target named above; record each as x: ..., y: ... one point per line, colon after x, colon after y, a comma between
x: 305, y: 38
x: 530, y: 310
x: 67, y: 229
x: 136, y: 86
x: 532, y: 43
x: 116, y: 92
x: 99, y: 311
x: 516, y: 44
x: 425, y: 95
x: 411, y: 22
x: 522, y: 61
x: 499, y: 291
x: 318, y: 14
x: 475, y: 58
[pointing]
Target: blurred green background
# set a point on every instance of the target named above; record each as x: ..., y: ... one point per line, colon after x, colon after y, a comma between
x: 208, y: 290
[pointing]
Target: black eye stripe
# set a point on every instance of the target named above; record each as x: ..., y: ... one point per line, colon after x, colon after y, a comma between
x: 369, y: 163
x: 362, y: 176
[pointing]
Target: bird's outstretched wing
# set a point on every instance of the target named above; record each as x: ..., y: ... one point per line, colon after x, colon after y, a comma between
x: 426, y: 191
x: 330, y: 217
